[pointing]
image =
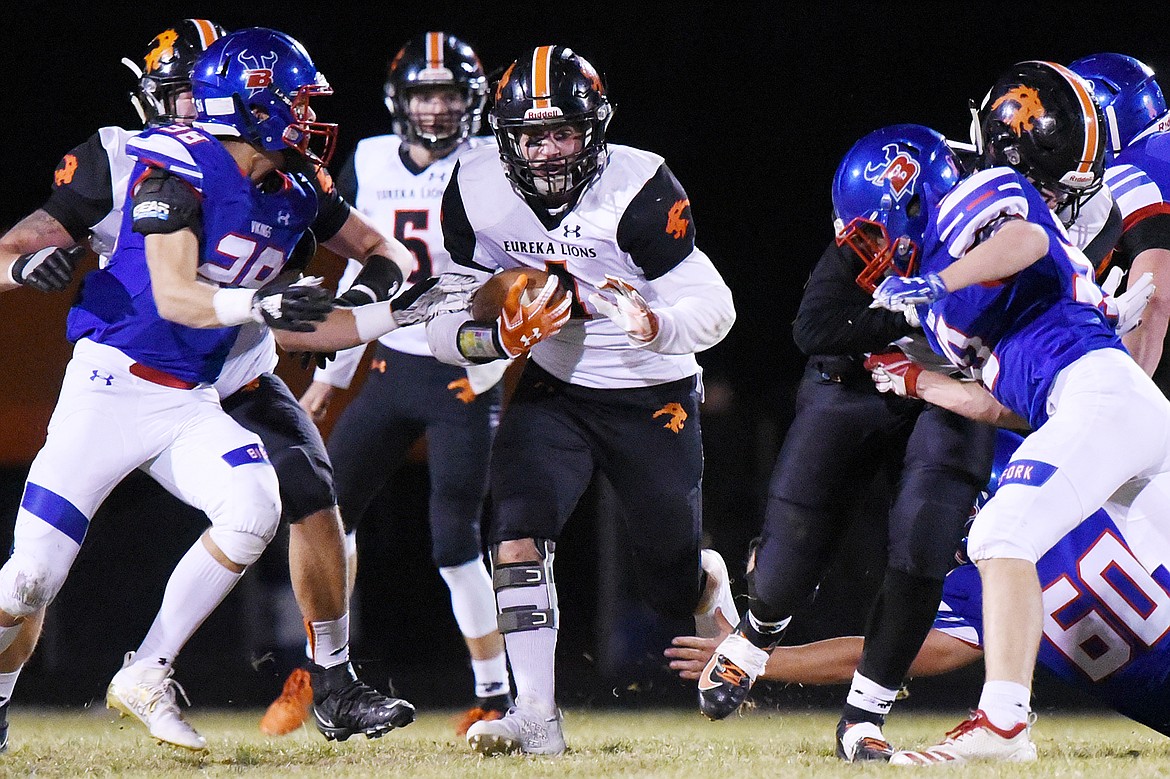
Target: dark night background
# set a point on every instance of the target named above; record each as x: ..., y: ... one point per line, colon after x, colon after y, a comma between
x: 751, y: 104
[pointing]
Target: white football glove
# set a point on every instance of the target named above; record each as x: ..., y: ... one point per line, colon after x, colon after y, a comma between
x: 1126, y: 309
x: 628, y: 310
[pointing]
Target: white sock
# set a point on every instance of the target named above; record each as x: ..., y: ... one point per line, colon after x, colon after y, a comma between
x: 532, y: 652
x: 1006, y: 704
x: 491, y: 675
x: 868, y: 695
x: 8, y: 684
x: 329, y: 641
x: 198, y: 584
x: 473, y: 601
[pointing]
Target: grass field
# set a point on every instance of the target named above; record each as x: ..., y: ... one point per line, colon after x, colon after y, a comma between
x: 73, y: 742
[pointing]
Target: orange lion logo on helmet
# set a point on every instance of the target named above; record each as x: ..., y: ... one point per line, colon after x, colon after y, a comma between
x: 1028, y: 108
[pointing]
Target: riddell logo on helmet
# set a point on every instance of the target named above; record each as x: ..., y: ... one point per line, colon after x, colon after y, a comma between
x: 899, y: 170
x: 543, y: 113
x: 1075, y: 179
x: 1028, y: 108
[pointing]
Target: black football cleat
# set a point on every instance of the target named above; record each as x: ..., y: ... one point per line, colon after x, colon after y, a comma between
x: 343, y: 705
x: 862, y: 742
x: 728, y: 676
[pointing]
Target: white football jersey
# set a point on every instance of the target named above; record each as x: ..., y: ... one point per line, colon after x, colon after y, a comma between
x: 404, y: 203
x: 601, y: 235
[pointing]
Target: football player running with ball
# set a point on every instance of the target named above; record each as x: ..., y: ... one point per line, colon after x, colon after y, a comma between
x: 611, y: 382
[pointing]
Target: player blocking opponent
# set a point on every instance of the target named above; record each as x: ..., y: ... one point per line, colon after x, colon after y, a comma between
x: 346, y: 704
x: 1011, y: 299
x: 614, y: 388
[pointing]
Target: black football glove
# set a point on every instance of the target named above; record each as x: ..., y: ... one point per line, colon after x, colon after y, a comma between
x: 293, y: 305
x: 320, y: 359
x: 49, y: 269
x: 379, y: 279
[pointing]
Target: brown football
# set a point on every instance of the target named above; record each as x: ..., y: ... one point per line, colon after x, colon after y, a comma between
x: 488, y: 300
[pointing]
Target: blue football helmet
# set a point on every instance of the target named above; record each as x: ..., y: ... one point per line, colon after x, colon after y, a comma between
x: 883, y: 192
x: 255, y: 84
x: 1128, y: 95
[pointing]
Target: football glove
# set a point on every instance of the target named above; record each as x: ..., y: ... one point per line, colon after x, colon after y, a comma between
x: 379, y: 279
x: 894, y: 372
x: 292, y: 305
x: 897, y: 293
x: 48, y: 270
x: 521, y: 325
x: 628, y: 309
x: 429, y: 298
x: 1125, y: 310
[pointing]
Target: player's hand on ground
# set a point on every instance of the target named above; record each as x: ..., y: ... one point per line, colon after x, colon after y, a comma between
x: 689, y: 654
x: 429, y: 298
x: 522, y: 325
x: 48, y: 270
x: 1126, y: 310
x: 316, y: 399
x: 894, y: 372
x: 293, y: 305
x: 627, y: 309
x: 897, y: 293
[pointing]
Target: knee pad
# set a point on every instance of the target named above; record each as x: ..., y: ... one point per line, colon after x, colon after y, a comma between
x: 306, y: 485
x: 526, y: 594
x: 30, y: 582
x: 242, y: 547
x: 472, y: 599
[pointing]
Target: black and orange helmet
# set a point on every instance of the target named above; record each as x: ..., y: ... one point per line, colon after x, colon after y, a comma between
x: 1040, y: 118
x: 435, y: 59
x: 551, y: 86
x: 166, y: 68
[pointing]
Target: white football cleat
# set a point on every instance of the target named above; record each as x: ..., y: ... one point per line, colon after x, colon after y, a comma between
x: 520, y: 730
x: 975, y: 740
x: 716, y: 595
x: 148, y: 695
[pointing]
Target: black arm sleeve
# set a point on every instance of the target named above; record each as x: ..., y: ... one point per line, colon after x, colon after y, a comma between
x: 834, y: 315
x: 332, y: 208
x: 657, y: 229
x: 1150, y: 232
x: 458, y: 235
x: 164, y: 203
x: 1104, y: 241
x: 82, y: 191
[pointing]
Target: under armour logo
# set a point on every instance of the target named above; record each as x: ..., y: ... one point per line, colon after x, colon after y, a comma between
x: 678, y: 416
x: 436, y: 176
x: 107, y: 379
x: 284, y: 217
x: 528, y: 339
x: 574, y: 231
x: 378, y: 365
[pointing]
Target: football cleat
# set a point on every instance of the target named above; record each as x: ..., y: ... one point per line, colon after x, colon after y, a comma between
x: 490, y: 708
x: 289, y: 711
x: 343, y: 705
x: 862, y: 742
x: 975, y: 739
x: 729, y: 675
x: 148, y: 695
x: 520, y: 730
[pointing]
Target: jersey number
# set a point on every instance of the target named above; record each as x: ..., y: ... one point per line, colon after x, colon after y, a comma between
x: 1119, y: 587
x: 569, y: 284
x: 241, y: 262
x: 405, y: 221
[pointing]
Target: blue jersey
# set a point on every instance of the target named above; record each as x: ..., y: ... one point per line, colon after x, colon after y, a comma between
x: 1017, y: 334
x: 246, y: 234
x: 1106, y: 620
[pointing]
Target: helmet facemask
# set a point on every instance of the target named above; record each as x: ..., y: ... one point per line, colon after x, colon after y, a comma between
x: 880, y: 257
x: 278, y: 123
x: 553, y: 180
x: 435, y: 130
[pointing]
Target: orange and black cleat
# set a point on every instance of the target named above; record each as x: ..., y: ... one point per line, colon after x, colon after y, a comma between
x: 728, y: 676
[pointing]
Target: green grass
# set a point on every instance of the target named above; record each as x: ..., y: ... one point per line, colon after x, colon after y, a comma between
x: 74, y: 742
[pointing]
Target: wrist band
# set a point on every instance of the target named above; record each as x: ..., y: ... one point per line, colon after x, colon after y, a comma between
x: 373, y: 321
x: 234, y: 306
x: 477, y: 341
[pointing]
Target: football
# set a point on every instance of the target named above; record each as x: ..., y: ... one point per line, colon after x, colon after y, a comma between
x: 488, y: 300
